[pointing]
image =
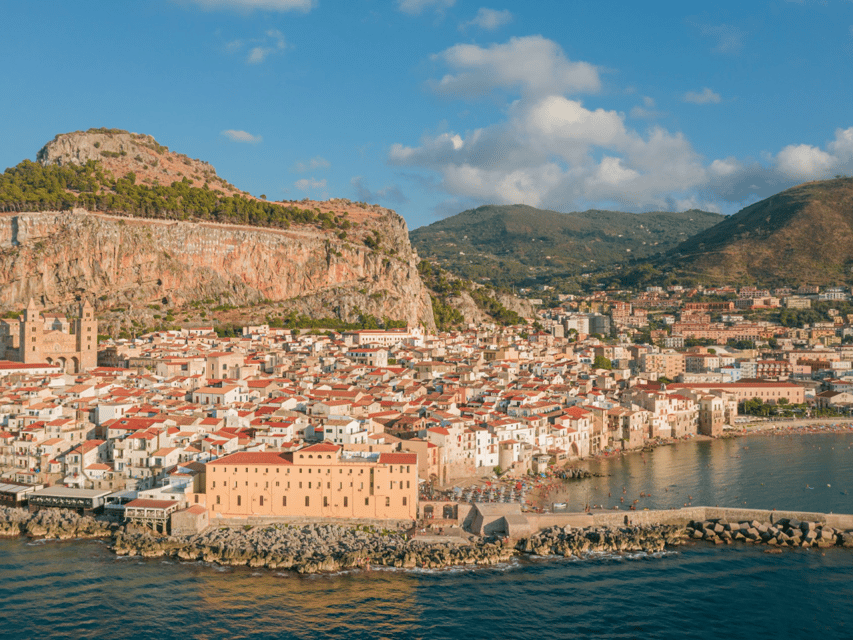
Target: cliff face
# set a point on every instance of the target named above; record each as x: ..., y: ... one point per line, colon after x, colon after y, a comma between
x: 60, y: 257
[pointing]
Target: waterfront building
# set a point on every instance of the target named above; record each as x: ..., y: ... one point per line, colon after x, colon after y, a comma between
x: 318, y: 481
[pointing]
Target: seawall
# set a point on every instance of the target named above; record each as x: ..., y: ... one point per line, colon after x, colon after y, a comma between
x: 685, y: 515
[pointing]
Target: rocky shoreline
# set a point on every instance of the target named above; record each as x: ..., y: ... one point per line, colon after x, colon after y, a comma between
x: 329, y: 548
x: 313, y: 548
x: 57, y: 524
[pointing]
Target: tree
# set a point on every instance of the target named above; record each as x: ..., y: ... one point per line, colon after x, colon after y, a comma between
x: 601, y: 362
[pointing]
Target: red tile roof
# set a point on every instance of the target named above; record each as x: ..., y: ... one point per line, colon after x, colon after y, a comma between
x: 321, y: 447
x: 251, y: 457
x: 398, y: 458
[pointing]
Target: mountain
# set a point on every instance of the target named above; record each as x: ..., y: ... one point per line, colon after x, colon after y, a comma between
x: 803, y: 235
x: 144, y: 232
x: 517, y: 244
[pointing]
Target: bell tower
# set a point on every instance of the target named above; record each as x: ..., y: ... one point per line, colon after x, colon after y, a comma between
x: 86, y: 327
x: 31, y: 334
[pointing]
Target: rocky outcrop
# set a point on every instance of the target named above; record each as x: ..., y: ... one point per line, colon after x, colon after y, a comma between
x: 311, y: 548
x: 58, y: 524
x: 120, y: 152
x: 58, y: 258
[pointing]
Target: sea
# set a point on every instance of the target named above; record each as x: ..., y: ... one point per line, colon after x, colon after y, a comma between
x: 80, y: 590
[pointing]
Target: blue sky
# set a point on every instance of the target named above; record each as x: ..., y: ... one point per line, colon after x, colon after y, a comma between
x: 431, y: 107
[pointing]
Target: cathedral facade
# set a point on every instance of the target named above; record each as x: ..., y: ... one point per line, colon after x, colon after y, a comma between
x: 52, y: 338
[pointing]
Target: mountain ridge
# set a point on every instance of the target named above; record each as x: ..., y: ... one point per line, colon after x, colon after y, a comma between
x: 532, y: 243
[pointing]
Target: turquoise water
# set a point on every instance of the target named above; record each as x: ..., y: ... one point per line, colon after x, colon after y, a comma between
x: 80, y: 590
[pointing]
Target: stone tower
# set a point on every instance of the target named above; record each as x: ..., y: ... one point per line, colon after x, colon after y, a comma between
x: 31, y: 335
x: 86, y: 328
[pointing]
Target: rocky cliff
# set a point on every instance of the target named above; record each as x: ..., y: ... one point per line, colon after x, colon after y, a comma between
x: 60, y: 257
x: 163, y: 230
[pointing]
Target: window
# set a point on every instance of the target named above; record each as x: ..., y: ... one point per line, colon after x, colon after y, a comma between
x: 284, y: 501
x: 307, y: 501
x: 325, y: 501
x: 300, y: 485
x: 276, y: 484
x: 213, y: 486
x: 367, y: 502
x: 239, y: 501
x: 387, y: 501
x: 407, y: 484
x: 346, y: 501
x: 405, y: 500
x: 217, y: 499
x: 309, y: 485
x: 261, y: 501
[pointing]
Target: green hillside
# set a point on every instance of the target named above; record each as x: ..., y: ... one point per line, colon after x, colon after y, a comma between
x: 803, y: 235
x: 515, y: 245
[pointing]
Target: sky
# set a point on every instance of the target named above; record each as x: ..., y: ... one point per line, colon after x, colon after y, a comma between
x: 432, y: 107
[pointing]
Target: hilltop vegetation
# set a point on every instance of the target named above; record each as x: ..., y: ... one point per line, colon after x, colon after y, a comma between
x: 517, y: 245
x: 30, y: 186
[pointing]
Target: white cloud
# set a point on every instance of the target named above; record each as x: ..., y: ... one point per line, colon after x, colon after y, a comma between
x: 729, y: 38
x: 706, y: 96
x: 533, y: 64
x: 552, y: 150
x: 311, y: 165
x: 417, y: 7
x: 647, y: 111
x: 804, y: 162
x: 272, y: 42
x: 250, y: 5
x: 392, y: 194
x: 310, y: 184
x: 236, y: 135
x: 490, y: 19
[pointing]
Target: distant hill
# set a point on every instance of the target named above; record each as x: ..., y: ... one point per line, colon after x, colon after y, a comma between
x: 517, y: 244
x: 803, y: 235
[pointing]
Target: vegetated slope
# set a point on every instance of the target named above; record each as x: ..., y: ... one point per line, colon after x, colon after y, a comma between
x: 803, y: 235
x: 457, y: 302
x: 95, y: 218
x: 517, y: 244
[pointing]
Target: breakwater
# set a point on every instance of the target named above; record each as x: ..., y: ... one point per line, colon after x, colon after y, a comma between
x: 654, y: 531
